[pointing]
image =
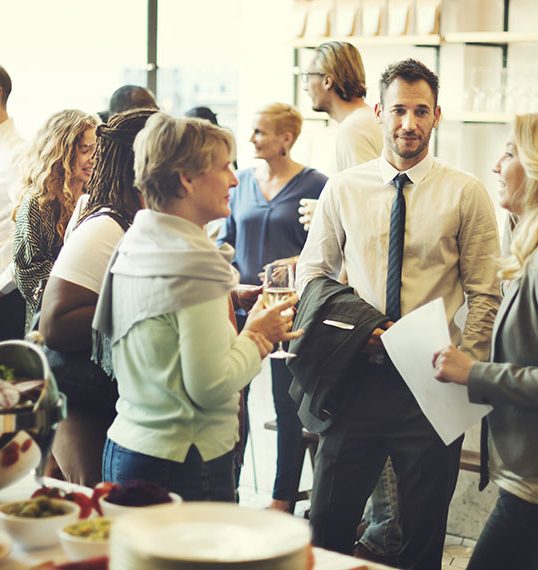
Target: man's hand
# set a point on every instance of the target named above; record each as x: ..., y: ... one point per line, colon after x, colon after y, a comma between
x: 283, y: 262
x: 374, y: 344
x: 452, y: 365
x: 306, y: 209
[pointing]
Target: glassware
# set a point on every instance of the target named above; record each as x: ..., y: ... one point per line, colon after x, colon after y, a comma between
x: 279, y: 285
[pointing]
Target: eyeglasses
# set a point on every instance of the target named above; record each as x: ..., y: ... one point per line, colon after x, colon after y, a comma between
x: 306, y: 74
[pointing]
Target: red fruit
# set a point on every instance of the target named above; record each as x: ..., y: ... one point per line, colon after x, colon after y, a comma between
x: 52, y: 492
x: 83, y: 501
x: 100, y: 490
x: 10, y: 454
x: 26, y: 444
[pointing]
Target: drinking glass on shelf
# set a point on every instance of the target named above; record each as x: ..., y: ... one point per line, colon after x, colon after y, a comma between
x: 279, y: 285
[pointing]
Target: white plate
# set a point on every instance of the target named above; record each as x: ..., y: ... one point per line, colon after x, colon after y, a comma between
x: 209, y: 532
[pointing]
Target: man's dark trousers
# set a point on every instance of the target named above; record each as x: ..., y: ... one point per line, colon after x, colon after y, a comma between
x: 383, y: 419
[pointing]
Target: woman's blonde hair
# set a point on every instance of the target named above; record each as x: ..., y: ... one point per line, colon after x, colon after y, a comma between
x: 525, y: 240
x: 285, y: 118
x: 167, y: 147
x: 49, y: 163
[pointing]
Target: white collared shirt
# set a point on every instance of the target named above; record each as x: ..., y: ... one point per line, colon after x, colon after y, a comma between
x: 11, y: 147
x: 451, y: 242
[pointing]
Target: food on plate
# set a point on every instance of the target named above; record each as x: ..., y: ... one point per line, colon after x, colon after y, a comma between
x: 137, y: 493
x: 17, y: 392
x: 7, y: 373
x: 93, y: 529
x: 39, y: 508
x: 100, y: 490
x: 83, y: 501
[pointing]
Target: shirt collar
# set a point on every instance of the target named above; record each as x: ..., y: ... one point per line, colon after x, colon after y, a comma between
x: 416, y: 173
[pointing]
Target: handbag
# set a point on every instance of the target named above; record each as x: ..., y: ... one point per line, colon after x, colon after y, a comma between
x: 86, y: 385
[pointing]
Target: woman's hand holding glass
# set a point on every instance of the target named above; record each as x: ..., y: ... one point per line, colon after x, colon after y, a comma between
x: 273, y: 324
x: 279, y: 285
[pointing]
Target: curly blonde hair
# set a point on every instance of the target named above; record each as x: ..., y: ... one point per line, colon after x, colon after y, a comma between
x: 525, y: 240
x: 50, y: 160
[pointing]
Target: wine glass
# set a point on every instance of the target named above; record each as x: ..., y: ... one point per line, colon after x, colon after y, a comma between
x: 279, y: 285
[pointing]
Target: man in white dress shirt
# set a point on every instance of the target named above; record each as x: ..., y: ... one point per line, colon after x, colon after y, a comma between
x: 11, y: 146
x: 447, y: 244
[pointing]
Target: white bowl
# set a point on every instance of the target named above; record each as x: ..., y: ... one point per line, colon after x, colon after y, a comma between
x: 114, y: 510
x: 33, y: 533
x: 80, y: 547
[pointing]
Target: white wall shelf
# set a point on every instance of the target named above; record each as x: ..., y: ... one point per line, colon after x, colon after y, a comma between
x: 472, y: 117
x: 407, y: 40
x: 489, y: 38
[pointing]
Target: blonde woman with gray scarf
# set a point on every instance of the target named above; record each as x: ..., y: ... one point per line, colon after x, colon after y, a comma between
x: 163, y: 313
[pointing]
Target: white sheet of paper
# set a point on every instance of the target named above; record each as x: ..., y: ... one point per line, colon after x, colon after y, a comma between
x: 410, y: 344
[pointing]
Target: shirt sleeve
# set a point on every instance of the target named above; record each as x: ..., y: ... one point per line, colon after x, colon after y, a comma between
x: 478, y: 241
x: 215, y: 362
x: 322, y: 254
x: 85, y: 255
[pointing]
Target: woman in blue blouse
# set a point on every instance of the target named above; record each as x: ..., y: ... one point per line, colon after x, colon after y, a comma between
x: 264, y: 228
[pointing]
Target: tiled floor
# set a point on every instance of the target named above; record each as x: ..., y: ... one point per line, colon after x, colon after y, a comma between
x: 259, y: 469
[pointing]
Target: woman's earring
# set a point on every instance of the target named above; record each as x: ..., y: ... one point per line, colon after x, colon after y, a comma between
x: 283, y: 152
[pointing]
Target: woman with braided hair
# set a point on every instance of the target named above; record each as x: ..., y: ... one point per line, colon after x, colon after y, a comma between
x: 71, y: 295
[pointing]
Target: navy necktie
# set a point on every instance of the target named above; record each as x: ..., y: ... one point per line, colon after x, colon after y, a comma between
x: 396, y: 243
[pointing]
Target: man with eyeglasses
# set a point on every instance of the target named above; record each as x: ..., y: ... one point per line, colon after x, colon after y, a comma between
x: 336, y: 83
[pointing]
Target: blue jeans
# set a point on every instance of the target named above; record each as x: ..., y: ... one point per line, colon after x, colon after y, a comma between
x: 194, y: 479
x: 383, y: 535
x: 508, y: 540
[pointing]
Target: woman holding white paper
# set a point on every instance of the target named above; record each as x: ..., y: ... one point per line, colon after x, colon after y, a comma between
x: 510, y: 381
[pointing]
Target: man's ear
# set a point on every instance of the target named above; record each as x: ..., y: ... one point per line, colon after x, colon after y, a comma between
x: 327, y: 82
x: 378, y: 110
x: 437, y: 115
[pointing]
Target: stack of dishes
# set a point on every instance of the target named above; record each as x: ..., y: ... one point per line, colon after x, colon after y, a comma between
x: 209, y: 536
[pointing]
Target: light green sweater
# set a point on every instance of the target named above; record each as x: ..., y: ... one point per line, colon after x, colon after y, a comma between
x: 179, y: 376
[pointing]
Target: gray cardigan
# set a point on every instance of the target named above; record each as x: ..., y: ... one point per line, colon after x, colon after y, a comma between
x: 510, y: 381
